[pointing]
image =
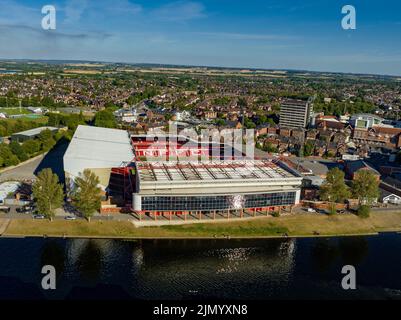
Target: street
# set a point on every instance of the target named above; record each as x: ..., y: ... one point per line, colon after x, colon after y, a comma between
x: 28, y: 170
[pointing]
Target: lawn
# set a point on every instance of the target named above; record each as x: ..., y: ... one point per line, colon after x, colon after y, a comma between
x: 13, y: 111
x: 296, y: 225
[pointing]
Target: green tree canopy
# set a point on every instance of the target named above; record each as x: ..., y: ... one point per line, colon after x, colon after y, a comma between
x: 365, y: 186
x: 48, y: 193
x: 308, y: 148
x: 45, y: 135
x: 363, y: 211
x: 31, y: 146
x: 106, y: 119
x: 47, y: 140
x: 17, y: 149
x: 86, y: 195
x: 9, y: 159
x: 334, y: 188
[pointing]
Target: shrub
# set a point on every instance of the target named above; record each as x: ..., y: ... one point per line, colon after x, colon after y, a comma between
x: 17, y: 149
x: 363, y: 211
x: 275, y: 214
x: 332, y: 209
x: 31, y: 146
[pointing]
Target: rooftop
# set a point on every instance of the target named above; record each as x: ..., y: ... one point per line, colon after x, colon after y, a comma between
x: 35, y: 131
x: 211, y: 170
x: 94, y: 147
x: 354, y: 166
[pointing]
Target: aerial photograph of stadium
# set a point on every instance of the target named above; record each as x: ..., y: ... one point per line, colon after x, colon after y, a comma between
x: 200, y: 158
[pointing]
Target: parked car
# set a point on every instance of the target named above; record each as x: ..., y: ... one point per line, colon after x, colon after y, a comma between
x: 38, y: 216
x: 25, y: 209
x: 311, y: 210
x: 4, y: 209
x: 70, y: 218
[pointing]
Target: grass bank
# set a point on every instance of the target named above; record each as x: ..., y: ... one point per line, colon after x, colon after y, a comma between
x: 296, y: 225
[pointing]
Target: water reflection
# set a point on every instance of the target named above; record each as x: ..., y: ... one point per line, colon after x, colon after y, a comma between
x: 350, y: 250
x: 89, y: 261
x: 185, y: 269
x: 178, y: 269
x: 324, y: 254
x: 53, y: 254
x: 353, y: 250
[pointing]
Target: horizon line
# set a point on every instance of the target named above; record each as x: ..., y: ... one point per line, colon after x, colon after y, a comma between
x: 203, y: 66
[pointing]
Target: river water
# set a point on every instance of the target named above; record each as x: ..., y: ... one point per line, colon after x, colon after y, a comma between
x: 200, y: 269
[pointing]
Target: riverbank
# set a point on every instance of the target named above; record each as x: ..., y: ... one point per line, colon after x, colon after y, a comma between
x: 299, y: 225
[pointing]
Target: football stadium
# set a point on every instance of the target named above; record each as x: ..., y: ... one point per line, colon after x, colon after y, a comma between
x: 153, y: 176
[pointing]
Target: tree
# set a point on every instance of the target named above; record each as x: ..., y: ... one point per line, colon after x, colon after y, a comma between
x: 269, y: 147
x: 45, y: 135
x: 9, y: 159
x: 86, y: 195
x: 308, y: 148
x: 334, y: 188
x: 106, y: 119
x: 17, y: 149
x: 46, y: 138
x: 48, y: 144
x: 332, y: 209
x: 48, y: 193
x: 31, y: 146
x: 365, y: 187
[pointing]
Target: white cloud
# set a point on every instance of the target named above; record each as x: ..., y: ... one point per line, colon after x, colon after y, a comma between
x: 245, y: 36
x: 116, y: 6
x: 75, y: 9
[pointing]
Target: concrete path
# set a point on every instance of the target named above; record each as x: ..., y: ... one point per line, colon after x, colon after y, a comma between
x: 193, y: 219
x: 4, y: 225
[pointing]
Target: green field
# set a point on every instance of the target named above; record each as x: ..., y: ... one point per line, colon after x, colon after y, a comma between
x: 27, y: 117
x: 295, y: 225
x: 14, y: 111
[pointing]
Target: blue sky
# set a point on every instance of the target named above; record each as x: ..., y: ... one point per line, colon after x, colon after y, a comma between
x: 282, y: 34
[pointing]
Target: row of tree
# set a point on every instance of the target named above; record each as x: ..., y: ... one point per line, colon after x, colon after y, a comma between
x: 14, y: 153
x: 10, y: 126
x: 49, y: 195
x: 12, y: 101
x: 365, y: 188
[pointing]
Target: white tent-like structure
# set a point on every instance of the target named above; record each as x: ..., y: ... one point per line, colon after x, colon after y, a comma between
x: 97, y: 149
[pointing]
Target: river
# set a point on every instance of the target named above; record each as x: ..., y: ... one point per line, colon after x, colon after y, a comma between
x: 308, y: 268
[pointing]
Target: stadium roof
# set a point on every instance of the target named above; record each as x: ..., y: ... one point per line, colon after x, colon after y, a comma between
x: 94, y: 147
x: 193, y: 178
x: 211, y: 171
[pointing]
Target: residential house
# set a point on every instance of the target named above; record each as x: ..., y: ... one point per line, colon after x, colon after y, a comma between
x: 352, y: 168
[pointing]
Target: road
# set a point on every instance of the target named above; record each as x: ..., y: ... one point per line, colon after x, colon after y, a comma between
x: 23, y: 172
x: 27, y: 171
